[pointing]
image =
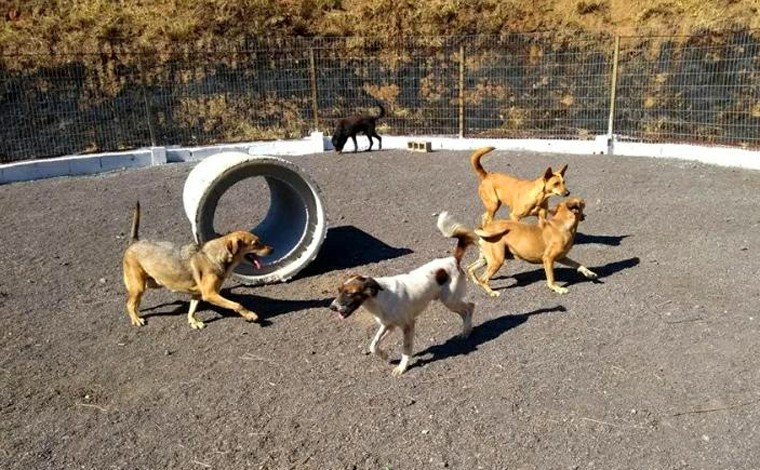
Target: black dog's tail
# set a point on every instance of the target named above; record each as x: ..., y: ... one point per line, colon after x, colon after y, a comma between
x: 382, y: 109
x: 136, y: 222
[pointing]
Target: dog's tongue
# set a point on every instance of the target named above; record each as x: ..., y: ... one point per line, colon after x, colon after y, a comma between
x: 254, y: 260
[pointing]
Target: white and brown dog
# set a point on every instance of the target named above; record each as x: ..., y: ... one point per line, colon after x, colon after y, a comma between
x: 397, y: 301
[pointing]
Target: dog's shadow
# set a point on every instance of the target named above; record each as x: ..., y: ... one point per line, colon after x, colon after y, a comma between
x: 568, y: 276
x: 481, y: 334
x: 265, y: 307
x: 347, y: 247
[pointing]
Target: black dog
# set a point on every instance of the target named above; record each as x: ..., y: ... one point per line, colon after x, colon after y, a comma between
x: 353, y: 125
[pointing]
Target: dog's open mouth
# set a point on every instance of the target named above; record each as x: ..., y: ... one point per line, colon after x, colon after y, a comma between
x: 254, y: 260
x: 342, y: 311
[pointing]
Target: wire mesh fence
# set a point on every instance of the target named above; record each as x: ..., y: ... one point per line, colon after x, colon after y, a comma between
x: 681, y: 89
x: 701, y: 89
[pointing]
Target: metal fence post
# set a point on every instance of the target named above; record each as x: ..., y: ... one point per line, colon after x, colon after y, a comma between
x: 313, y: 81
x: 461, y: 91
x: 613, y: 96
x: 143, y: 87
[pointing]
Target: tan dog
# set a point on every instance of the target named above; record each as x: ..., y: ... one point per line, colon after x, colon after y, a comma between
x: 198, y: 270
x: 523, y: 197
x: 545, y: 243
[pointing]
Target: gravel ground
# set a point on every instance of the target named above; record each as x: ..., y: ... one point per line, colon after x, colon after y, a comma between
x: 655, y: 366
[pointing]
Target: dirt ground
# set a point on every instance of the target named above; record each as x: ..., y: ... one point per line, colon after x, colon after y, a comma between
x: 655, y: 366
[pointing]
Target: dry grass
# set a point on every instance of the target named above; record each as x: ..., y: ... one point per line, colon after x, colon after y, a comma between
x: 43, y: 25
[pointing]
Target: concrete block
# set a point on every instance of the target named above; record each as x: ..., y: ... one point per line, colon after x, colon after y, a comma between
x: 419, y: 146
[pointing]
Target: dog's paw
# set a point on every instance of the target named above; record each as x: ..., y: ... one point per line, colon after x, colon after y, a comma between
x: 381, y: 354
x: 138, y: 321
x: 493, y: 293
x: 398, y: 370
x: 249, y: 316
x: 196, y: 324
x: 587, y: 272
x: 559, y: 289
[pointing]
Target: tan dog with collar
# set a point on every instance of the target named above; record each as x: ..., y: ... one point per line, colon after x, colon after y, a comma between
x: 545, y: 243
x: 523, y: 197
x: 198, y: 270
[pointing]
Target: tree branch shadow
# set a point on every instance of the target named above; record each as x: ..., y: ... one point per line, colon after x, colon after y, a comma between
x: 609, y: 240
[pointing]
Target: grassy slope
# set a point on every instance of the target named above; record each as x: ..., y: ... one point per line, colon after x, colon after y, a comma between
x: 76, y: 25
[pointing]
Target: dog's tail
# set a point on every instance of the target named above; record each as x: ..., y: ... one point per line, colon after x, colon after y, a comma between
x: 452, y: 229
x: 475, y: 161
x: 136, y: 222
x: 382, y: 109
x: 495, y: 229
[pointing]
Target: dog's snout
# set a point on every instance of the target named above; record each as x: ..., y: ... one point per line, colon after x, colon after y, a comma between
x: 334, y: 306
x: 566, y: 193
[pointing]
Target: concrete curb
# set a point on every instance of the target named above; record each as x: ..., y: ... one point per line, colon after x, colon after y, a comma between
x: 317, y: 143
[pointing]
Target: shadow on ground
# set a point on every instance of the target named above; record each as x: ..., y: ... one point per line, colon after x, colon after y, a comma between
x: 609, y: 240
x: 481, y: 334
x: 347, y: 247
x: 568, y: 275
x: 264, y: 307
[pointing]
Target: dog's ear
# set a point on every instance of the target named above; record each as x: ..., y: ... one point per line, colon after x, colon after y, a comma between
x: 548, y: 173
x: 233, y: 245
x: 576, y: 205
x: 562, y: 170
x: 371, y: 287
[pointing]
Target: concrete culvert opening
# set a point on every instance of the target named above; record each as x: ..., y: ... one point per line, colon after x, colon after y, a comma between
x: 230, y: 209
x: 294, y: 223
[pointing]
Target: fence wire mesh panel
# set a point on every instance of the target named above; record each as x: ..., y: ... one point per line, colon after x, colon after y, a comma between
x: 415, y: 80
x: 53, y: 105
x: 697, y: 89
x: 703, y: 89
x: 528, y: 86
x: 200, y: 97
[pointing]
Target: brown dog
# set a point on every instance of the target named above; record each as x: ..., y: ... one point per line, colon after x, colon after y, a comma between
x: 523, y: 197
x: 198, y: 270
x: 353, y: 125
x: 545, y: 243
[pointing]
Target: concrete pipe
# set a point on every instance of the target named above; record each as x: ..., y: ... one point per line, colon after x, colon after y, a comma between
x: 295, y: 224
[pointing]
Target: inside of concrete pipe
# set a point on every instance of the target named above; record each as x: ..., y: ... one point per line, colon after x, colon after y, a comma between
x: 289, y: 224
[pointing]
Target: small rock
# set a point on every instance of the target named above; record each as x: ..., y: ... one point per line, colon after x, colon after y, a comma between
x: 425, y: 431
x: 705, y: 438
x: 102, y: 280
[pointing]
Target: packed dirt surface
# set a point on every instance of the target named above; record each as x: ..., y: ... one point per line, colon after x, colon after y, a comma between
x: 654, y: 366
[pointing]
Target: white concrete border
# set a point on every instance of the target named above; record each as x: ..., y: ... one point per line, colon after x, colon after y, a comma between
x: 317, y: 142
